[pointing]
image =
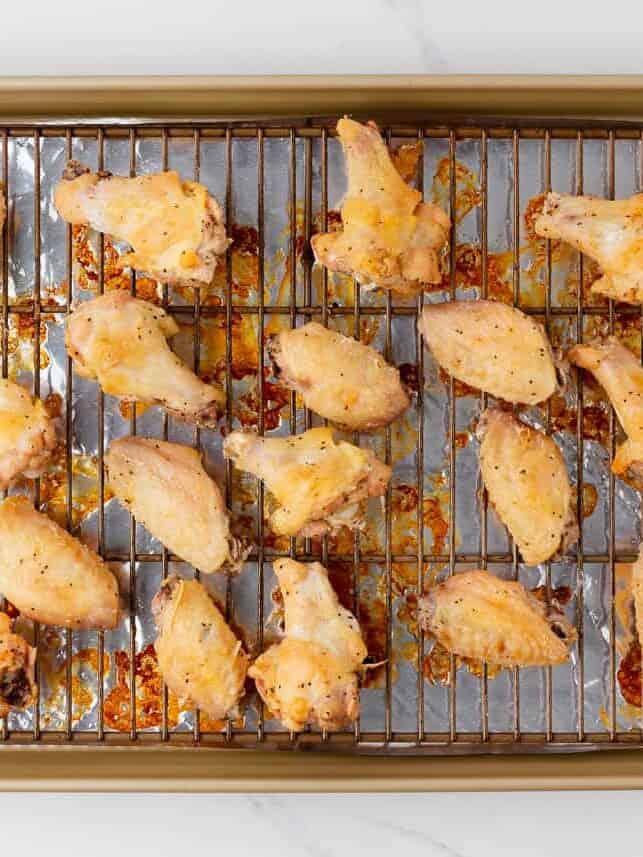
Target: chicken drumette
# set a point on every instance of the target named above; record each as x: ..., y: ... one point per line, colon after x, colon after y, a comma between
x: 121, y: 341
x: 311, y: 676
x: 390, y: 238
x: 175, y: 228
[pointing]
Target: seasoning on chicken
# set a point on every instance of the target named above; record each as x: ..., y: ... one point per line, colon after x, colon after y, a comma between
x: 526, y: 478
x: 175, y: 228
x: 477, y: 615
x: 27, y: 435
x: 199, y: 657
x: 610, y: 231
x: 166, y: 488
x: 621, y: 375
x: 341, y: 379
x: 49, y: 575
x: 311, y: 676
x: 317, y: 483
x: 121, y: 342
x: 17, y: 669
x: 390, y: 238
x: 493, y: 347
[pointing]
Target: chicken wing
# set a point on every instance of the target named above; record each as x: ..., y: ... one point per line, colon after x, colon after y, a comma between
x: 610, y: 231
x: 528, y: 485
x: 341, y: 379
x: 319, y: 484
x: 199, y: 657
x: 311, y: 676
x: 166, y: 488
x: 621, y: 375
x: 17, y: 669
x: 390, y: 238
x: 49, y: 575
x: 493, y: 347
x: 175, y: 228
x: 27, y: 435
x: 121, y: 341
x: 477, y: 615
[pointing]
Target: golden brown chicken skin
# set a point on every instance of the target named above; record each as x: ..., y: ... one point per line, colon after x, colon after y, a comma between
x: 477, y: 615
x: 311, y: 676
x: 390, y: 238
x: 318, y: 484
x: 27, y: 434
x: 610, y: 231
x: 527, y: 482
x: 17, y: 669
x: 49, y: 575
x: 121, y: 342
x: 199, y: 657
x: 620, y: 374
x: 341, y: 379
x: 175, y: 228
x: 493, y: 347
x: 167, y: 489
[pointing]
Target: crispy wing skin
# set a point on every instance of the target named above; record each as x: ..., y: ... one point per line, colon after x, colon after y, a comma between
x: 175, y: 228
x: 493, y: 347
x: 17, y: 669
x: 311, y: 677
x: 166, y: 488
x: 199, y: 657
x: 477, y: 615
x: 526, y: 478
x: 318, y: 484
x: 121, y: 342
x: 610, y: 231
x: 341, y: 379
x: 390, y: 238
x: 49, y: 575
x: 620, y: 374
x: 27, y: 435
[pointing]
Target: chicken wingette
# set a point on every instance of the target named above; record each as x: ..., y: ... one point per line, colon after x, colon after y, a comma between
x: 477, y: 615
x: 318, y: 484
x: 610, y: 231
x: 49, y: 575
x: 199, y: 657
x: 166, y: 488
x: 17, y: 669
x: 341, y: 379
x: 390, y: 238
x: 527, y: 482
x: 121, y: 341
x: 27, y: 434
x: 175, y: 228
x: 311, y: 676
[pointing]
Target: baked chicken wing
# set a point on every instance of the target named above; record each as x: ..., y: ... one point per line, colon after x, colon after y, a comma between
x: 621, y: 375
x: 311, y: 676
x: 199, y: 657
x: 166, y: 488
x: 175, y: 228
x: 317, y: 483
x: 610, y: 231
x: 493, y: 347
x: 49, y: 575
x: 17, y: 666
x: 27, y: 435
x: 526, y: 478
x: 390, y: 238
x: 121, y: 342
x: 341, y: 379
x: 477, y: 615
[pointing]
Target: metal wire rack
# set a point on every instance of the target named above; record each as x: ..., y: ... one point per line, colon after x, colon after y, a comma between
x: 283, y: 181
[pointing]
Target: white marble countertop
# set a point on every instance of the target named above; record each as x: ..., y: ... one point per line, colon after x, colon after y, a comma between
x: 349, y: 36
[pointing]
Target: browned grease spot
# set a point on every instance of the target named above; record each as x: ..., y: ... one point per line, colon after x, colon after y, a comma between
x: 275, y: 398
x: 54, y: 676
x: 434, y: 520
x: 410, y: 376
x: 128, y: 409
x: 85, y: 495
x: 629, y: 674
x: 595, y: 418
x: 244, y: 262
x: 406, y: 158
x: 560, y: 595
x: 149, y: 698
x: 436, y: 666
x: 467, y: 188
x: 468, y: 272
x: 460, y: 388
x: 590, y: 499
x: 115, y: 277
